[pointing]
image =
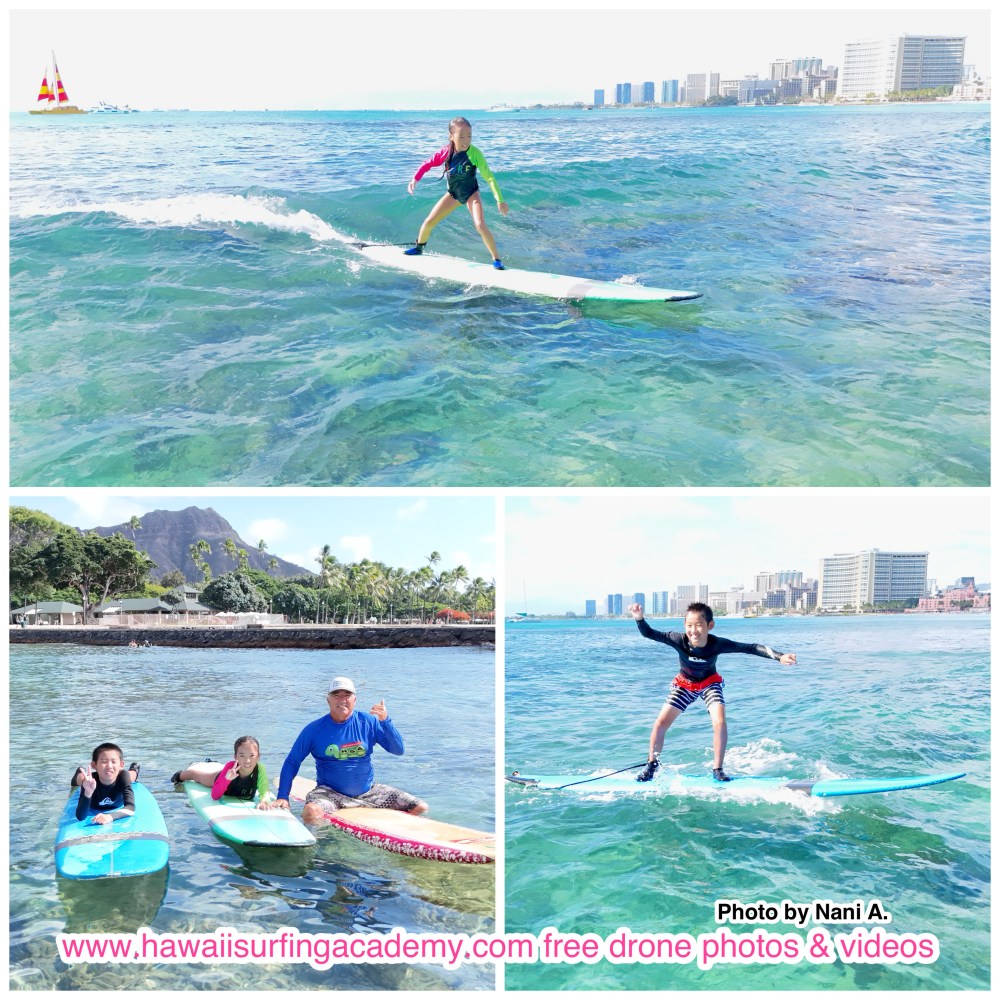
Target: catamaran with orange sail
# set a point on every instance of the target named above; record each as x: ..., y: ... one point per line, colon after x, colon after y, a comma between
x: 57, y: 101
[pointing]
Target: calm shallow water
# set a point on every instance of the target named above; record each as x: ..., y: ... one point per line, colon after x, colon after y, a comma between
x: 167, y: 707
x: 181, y: 314
x: 870, y: 696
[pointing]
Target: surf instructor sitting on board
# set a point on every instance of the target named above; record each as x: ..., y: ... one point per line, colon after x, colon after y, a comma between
x: 342, y: 743
x: 461, y: 161
x: 698, y: 652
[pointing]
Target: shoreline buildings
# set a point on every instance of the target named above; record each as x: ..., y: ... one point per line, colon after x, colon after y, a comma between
x: 871, y: 577
x: 871, y: 71
x: 848, y: 582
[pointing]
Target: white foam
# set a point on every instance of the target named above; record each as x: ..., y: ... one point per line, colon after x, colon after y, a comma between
x: 760, y: 757
x: 200, y: 210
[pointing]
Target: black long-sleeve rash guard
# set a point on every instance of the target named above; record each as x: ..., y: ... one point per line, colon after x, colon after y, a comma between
x: 117, y: 799
x: 698, y: 664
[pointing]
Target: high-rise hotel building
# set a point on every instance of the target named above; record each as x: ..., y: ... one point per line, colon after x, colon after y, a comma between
x: 871, y: 577
x: 661, y: 602
x: 874, y: 69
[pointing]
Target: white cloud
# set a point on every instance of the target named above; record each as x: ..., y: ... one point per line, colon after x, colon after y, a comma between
x: 96, y: 510
x: 412, y: 511
x: 270, y: 529
x: 458, y: 557
x: 356, y: 548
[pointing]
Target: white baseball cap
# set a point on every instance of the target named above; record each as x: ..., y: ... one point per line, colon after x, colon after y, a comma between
x: 342, y: 684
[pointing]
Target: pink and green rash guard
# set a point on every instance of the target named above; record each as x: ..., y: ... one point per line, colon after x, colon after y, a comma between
x: 460, y: 170
x: 253, y: 785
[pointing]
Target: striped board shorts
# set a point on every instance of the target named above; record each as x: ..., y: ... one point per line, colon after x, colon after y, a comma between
x: 377, y: 797
x: 683, y: 699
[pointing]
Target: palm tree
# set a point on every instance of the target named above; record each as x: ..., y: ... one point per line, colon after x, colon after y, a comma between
x: 230, y: 548
x: 459, y: 575
x: 331, y: 573
x: 396, y: 581
x: 272, y: 563
x: 476, y: 588
x: 135, y: 524
x: 196, y: 551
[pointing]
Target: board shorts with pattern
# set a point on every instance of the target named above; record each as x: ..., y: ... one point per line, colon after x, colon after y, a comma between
x: 683, y: 699
x: 377, y: 797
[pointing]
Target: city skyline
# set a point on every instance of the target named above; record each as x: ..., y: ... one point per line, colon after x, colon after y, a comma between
x: 303, y: 60
x: 397, y: 530
x: 562, y: 551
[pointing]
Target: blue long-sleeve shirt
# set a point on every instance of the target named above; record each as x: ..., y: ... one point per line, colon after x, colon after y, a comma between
x: 343, y: 752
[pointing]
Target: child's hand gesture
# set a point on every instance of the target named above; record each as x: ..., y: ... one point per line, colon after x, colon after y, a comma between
x: 380, y: 711
x: 233, y: 773
x: 636, y: 610
x: 86, y: 781
x: 787, y: 660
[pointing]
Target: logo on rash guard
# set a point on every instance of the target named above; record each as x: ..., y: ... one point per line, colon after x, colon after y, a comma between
x: 106, y: 801
x: 346, y: 752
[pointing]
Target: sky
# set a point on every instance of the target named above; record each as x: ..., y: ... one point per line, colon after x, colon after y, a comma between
x: 463, y: 58
x: 398, y: 530
x: 563, y: 550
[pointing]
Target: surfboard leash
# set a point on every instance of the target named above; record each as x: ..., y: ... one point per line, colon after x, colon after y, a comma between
x: 583, y: 781
x: 358, y: 244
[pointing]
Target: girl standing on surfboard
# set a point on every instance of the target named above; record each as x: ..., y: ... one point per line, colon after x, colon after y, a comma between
x: 461, y: 161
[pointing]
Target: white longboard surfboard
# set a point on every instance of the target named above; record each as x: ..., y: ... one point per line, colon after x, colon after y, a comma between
x: 240, y: 821
x: 512, y: 279
x: 404, y: 833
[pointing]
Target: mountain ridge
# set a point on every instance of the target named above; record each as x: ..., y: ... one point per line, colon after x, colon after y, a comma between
x: 167, y: 535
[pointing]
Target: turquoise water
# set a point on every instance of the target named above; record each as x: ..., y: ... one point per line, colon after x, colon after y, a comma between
x: 870, y: 696
x: 167, y: 707
x: 182, y: 312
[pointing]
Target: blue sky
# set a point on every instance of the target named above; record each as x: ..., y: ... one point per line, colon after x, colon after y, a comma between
x: 465, y: 57
x: 400, y: 530
x: 567, y: 549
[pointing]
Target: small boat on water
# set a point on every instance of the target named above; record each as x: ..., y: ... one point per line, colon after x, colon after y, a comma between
x: 58, y: 100
x: 113, y: 109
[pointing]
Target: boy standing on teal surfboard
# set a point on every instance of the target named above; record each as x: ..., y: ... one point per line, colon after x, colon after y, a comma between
x: 698, y: 651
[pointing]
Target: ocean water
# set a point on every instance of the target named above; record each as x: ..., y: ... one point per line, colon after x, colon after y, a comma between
x: 184, y: 313
x: 872, y: 696
x: 167, y: 707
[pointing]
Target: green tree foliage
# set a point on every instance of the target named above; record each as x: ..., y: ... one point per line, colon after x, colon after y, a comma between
x: 296, y: 602
x: 31, y: 532
x: 46, y: 555
x: 923, y: 94
x: 175, y: 578
x: 266, y: 584
x: 234, y: 592
x: 95, y: 566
